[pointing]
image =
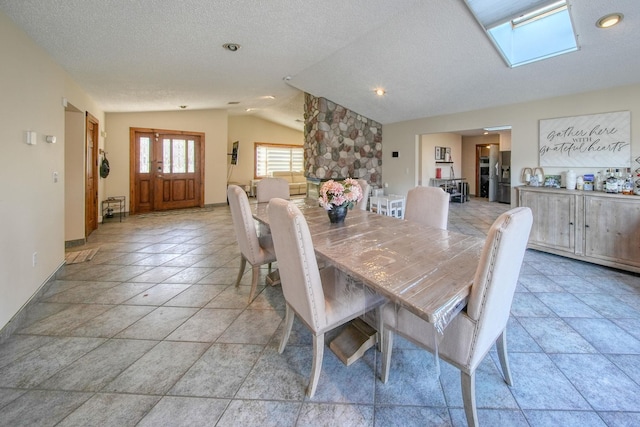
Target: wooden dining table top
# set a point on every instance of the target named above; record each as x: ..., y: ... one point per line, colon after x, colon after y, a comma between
x: 427, y: 270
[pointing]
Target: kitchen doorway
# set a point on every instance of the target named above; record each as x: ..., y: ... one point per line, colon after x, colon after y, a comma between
x: 486, y: 172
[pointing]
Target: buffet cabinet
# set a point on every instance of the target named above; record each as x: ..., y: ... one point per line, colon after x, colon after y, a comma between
x: 595, y: 227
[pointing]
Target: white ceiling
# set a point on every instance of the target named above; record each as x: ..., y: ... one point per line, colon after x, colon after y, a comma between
x: 431, y: 56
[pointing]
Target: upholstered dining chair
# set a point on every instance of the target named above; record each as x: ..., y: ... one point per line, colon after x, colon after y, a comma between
x: 268, y: 188
x: 257, y: 250
x: 428, y: 206
x: 471, y: 334
x: 366, y: 188
x: 322, y: 299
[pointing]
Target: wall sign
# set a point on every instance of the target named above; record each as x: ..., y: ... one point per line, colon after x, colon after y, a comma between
x: 597, y: 140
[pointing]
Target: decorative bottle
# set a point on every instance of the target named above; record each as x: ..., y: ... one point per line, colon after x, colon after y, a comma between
x: 611, y: 185
x: 627, y: 186
x: 599, y: 181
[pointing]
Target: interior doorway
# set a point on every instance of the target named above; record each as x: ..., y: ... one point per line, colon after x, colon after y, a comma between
x: 486, y: 174
x: 166, y: 171
x: 91, y: 172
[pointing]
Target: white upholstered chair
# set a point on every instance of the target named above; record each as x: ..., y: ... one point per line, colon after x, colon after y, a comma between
x: 322, y: 299
x: 472, y: 333
x: 366, y: 188
x: 257, y: 250
x: 268, y: 188
x: 428, y: 206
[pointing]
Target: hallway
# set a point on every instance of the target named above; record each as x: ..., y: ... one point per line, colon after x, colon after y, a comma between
x: 152, y: 332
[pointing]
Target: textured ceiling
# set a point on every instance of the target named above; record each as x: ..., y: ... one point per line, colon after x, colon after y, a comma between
x: 431, y: 56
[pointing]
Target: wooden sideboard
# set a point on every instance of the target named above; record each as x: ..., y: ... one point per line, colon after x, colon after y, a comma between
x: 589, y: 226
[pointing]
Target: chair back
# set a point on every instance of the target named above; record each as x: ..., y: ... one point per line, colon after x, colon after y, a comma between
x: 299, y: 274
x: 428, y: 206
x: 497, y: 276
x: 268, y: 188
x: 244, y: 224
x: 366, y: 188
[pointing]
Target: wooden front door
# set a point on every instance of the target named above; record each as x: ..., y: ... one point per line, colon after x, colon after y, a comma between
x: 167, y: 170
x: 91, y: 172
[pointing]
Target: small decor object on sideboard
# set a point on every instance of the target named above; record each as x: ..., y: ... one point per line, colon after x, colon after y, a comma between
x: 339, y: 196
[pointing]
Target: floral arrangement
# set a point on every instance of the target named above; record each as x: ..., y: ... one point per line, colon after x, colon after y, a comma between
x: 340, y: 193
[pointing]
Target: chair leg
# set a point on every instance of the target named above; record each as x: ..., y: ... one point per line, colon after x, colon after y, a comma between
x: 501, y: 345
x: 318, y: 353
x: 255, y: 269
x: 243, y: 264
x: 288, y: 325
x: 387, y: 346
x: 468, y: 382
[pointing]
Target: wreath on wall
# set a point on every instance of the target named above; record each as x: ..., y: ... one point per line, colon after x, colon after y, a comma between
x: 104, y: 167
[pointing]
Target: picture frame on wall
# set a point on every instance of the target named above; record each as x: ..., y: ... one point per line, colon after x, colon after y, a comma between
x: 447, y: 155
x: 438, y: 151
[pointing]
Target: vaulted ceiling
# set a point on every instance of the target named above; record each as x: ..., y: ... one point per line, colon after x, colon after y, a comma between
x: 431, y: 56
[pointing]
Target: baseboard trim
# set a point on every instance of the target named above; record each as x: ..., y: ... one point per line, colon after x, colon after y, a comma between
x: 18, y: 319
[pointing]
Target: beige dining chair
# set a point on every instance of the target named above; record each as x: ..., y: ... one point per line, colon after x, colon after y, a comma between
x: 268, y: 188
x: 257, y: 250
x: 322, y: 299
x: 472, y: 333
x: 428, y: 206
x: 366, y: 188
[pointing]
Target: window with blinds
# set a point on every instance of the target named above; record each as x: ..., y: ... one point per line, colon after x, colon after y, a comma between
x: 277, y: 158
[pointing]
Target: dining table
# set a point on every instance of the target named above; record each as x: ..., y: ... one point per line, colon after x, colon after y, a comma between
x: 427, y: 270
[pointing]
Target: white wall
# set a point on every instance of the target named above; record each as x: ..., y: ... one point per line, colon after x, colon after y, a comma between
x: 74, y: 175
x: 213, y: 123
x: 248, y: 130
x: 32, y: 206
x: 524, y: 119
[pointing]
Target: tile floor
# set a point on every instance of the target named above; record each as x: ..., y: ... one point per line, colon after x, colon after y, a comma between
x: 152, y: 332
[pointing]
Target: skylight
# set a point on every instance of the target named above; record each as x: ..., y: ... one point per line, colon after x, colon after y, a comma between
x: 540, y: 31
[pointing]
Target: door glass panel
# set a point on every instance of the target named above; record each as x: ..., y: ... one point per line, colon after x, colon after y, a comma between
x: 145, y: 165
x: 166, y: 155
x: 179, y: 156
x: 191, y: 156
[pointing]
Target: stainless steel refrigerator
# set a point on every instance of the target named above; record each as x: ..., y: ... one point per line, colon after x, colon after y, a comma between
x: 503, y: 169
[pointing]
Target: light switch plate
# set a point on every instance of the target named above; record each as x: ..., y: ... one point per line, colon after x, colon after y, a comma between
x: 31, y: 137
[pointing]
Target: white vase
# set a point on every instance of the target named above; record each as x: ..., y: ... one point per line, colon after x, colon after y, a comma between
x: 571, y: 180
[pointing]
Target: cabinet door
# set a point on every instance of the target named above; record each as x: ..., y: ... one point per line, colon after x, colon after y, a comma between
x: 612, y: 229
x: 553, y: 219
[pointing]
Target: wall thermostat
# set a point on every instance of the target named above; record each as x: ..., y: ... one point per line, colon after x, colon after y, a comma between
x: 51, y: 139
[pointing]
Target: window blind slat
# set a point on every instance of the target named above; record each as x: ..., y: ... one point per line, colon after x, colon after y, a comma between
x: 271, y: 159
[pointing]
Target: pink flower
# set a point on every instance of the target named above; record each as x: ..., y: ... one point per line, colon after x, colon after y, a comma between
x: 334, y: 193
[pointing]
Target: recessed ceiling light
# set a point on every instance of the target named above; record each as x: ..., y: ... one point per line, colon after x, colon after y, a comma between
x: 248, y: 110
x: 269, y: 97
x: 609, y: 20
x: 379, y: 91
x: 231, y: 47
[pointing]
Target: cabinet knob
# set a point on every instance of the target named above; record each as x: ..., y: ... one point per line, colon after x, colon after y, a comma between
x: 586, y: 226
x: 571, y: 223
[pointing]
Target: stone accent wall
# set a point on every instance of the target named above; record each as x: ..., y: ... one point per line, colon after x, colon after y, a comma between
x: 339, y: 143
